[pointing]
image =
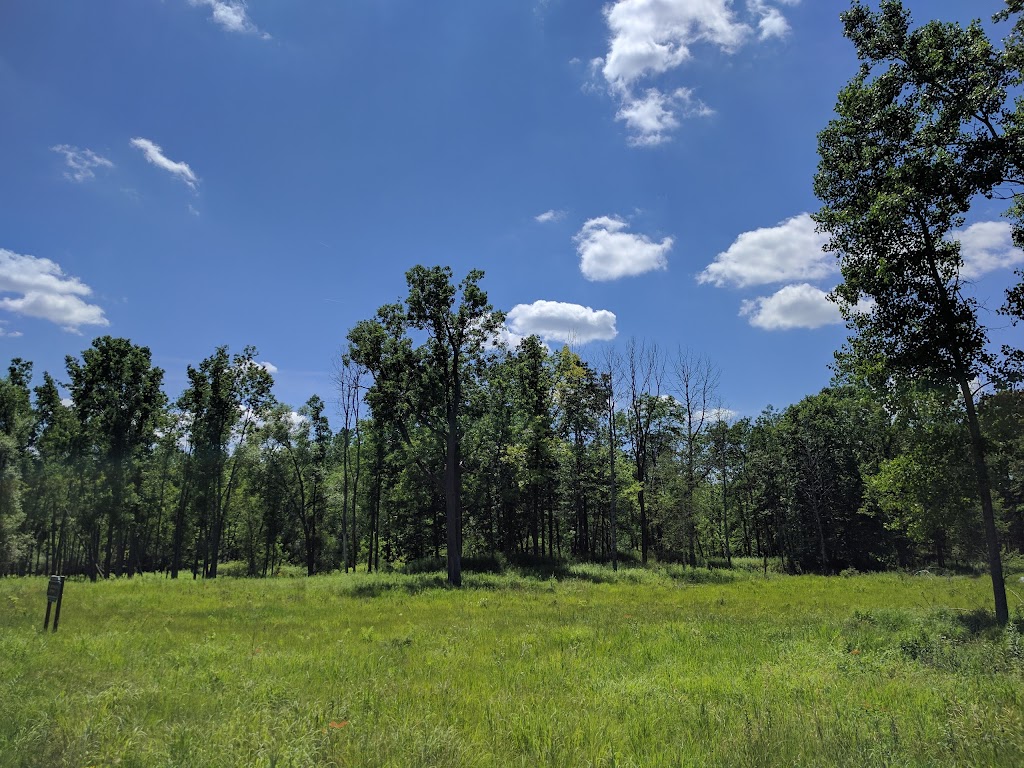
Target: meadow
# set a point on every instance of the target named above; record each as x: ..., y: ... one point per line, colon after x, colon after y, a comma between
x: 643, y: 667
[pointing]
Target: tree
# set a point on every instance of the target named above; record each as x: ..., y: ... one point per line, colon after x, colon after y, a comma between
x: 305, y: 441
x: 425, y: 384
x: 580, y: 402
x: 348, y: 379
x: 696, y: 392
x: 15, y: 434
x: 533, y: 381
x: 645, y: 371
x: 898, y: 170
x: 1002, y: 418
x: 53, y: 484
x: 923, y: 488
x: 117, y: 398
x: 225, y: 399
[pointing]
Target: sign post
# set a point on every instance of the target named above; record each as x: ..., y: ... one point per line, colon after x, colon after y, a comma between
x: 54, y: 594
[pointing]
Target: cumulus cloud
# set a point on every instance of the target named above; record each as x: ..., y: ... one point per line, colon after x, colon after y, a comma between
x: 231, y: 15
x: 608, y: 252
x: 43, y: 290
x: 986, y: 247
x: 791, y: 250
x: 81, y: 163
x: 155, y: 155
x: 649, y: 38
x: 267, y: 366
x: 654, y: 36
x: 549, y: 216
x: 560, y: 321
x: 653, y: 116
x: 795, y: 306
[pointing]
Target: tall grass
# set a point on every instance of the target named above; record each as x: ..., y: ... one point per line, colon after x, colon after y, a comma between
x: 581, y: 666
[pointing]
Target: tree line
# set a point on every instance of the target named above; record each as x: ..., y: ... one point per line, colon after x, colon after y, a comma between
x: 558, y: 458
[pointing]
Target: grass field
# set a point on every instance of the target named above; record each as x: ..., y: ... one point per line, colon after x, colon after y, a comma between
x: 641, y: 668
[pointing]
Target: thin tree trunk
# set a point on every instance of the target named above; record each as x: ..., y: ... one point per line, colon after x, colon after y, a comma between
x: 995, y: 565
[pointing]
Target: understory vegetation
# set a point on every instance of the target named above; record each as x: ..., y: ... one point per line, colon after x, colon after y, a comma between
x: 568, y: 666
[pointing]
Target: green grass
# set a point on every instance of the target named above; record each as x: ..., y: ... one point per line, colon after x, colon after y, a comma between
x: 640, y: 668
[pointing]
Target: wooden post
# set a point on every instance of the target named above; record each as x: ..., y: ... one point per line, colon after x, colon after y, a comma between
x: 54, y: 594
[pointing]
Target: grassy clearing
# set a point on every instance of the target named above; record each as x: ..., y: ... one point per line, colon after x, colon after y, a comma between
x: 639, y: 668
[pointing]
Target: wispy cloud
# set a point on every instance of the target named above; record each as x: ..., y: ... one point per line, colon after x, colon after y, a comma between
x: 561, y: 321
x: 81, y: 163
x: 231, y: 15
x: 549, y: 216
x: 4, y: 333
x: 156, y: 156
x: 44, y: 291
x: 608, y: 252
x: 791, y: 250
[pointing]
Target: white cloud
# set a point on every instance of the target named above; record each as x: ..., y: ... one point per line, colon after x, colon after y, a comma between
x: 69, y: 312
x: 81, y: 163
x: 506, y: 339
x: 654, y: 36
x: 560, y: 321
x: 718, y: 414
x: 791, y: 250
x: 44, y: 291
x: 267, y: 366
x: 795, y: 306
x: 156, y: 156
x: 986, y: 247
x: 232, y: 15
x: 608, y: 253
x: 296, y: 421
x: 651, y: 117
x: 772, y: 23
x: 549, y: 216
x: 649, y: 38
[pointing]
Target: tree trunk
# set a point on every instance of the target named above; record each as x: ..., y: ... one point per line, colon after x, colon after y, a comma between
x: 453, y: 496
x: 995, y: 565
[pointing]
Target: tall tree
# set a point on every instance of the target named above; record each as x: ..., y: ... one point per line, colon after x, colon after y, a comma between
x: 696, y: 392
x: 117, y: 398
x: 54, y: 487
x: 644, y: 374
x: 348, y: 380
x: 15, y: 434
x: 305, y: 441
x: 580, y: 403
x: 898, y: 170
x: 225, y: 399
x: 534, y: 381
x: 425, y: 384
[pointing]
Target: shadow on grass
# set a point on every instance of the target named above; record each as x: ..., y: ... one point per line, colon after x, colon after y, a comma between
x: 530, y: 574
x: 982, y: 622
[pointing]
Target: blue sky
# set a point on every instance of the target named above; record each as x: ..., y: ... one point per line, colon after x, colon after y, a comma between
x: 192, y: 173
